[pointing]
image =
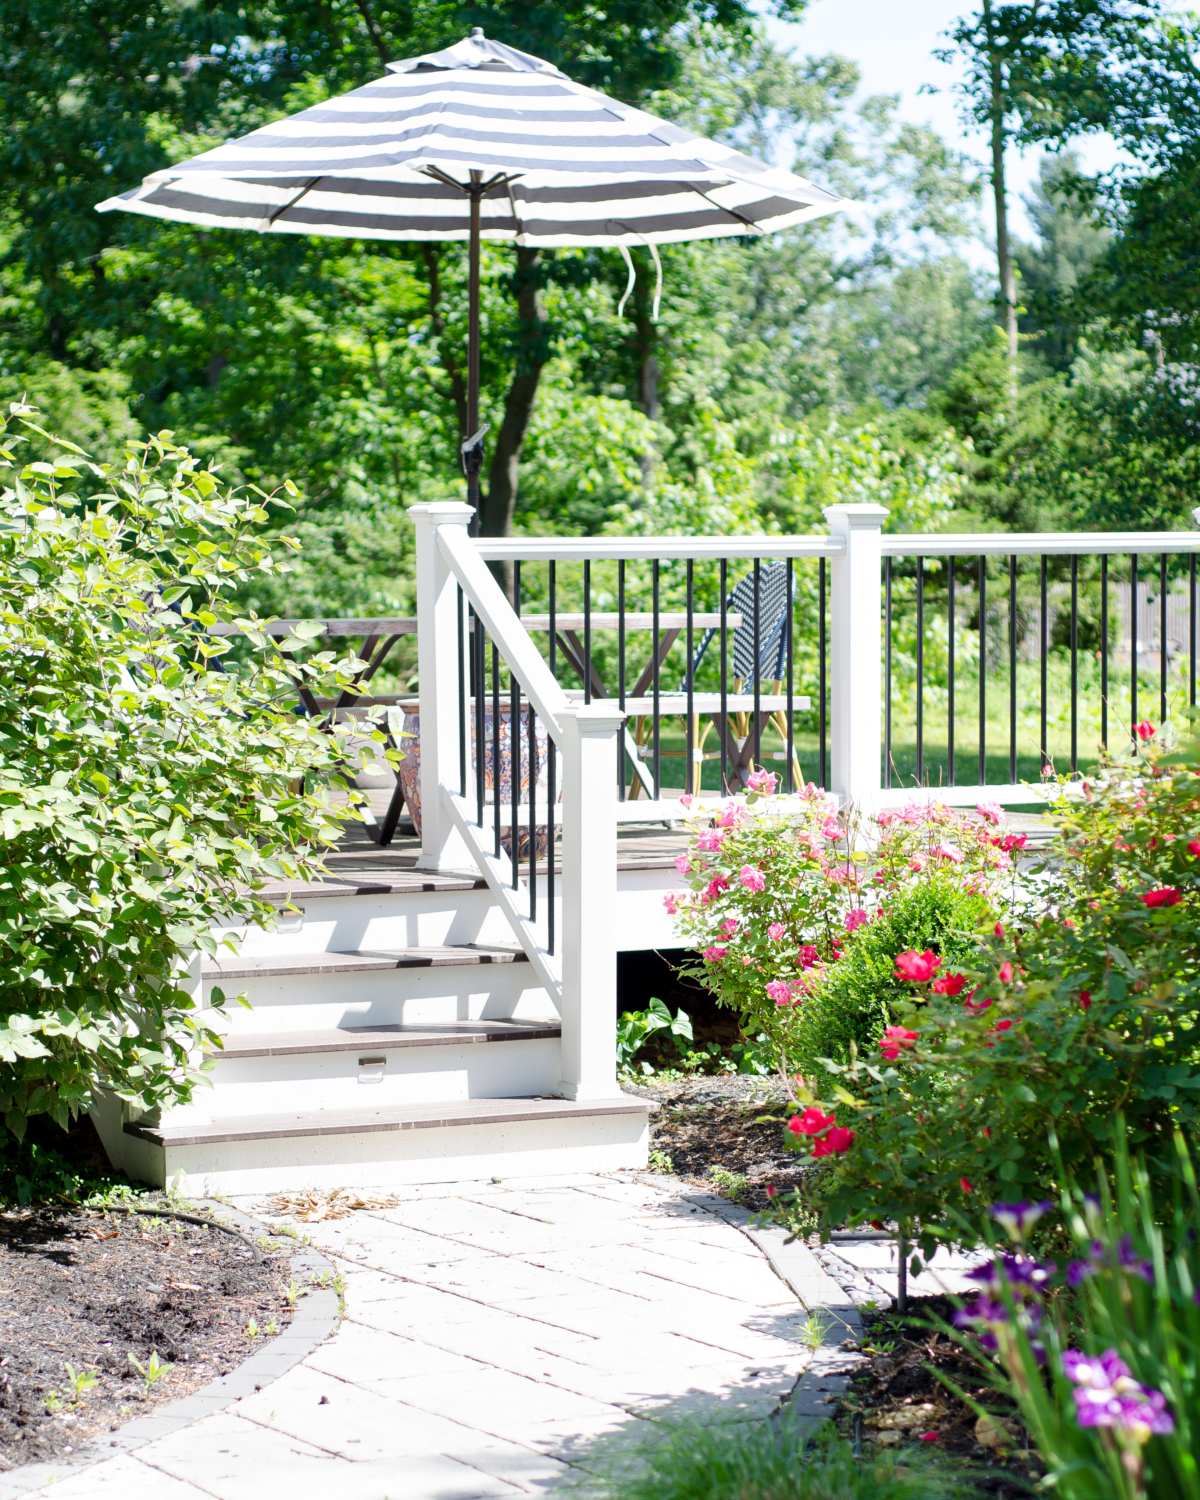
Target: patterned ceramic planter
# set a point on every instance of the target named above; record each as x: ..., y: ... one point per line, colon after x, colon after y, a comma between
x: 410, y: 767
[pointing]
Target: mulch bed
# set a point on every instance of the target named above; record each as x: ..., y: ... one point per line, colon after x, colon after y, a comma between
x: 734, y: 1124
x: 896, y: 1400
x: 98, y: 1291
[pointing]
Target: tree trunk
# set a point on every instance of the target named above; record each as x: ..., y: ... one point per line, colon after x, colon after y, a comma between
x: 646, y: 344
x: 533, y: 351
x: 458, y: 384
x: 1004, y: 262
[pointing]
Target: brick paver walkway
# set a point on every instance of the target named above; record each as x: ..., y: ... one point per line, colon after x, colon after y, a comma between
x: 492, y: 1333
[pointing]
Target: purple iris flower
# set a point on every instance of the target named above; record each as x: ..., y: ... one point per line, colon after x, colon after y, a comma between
x: 1106, y: 1395
x: 1023, y: 1273
x: 1019, y: 1218
x: 1131, y: 1261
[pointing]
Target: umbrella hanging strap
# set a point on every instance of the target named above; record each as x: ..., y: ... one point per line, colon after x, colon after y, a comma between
x: 629, y: 285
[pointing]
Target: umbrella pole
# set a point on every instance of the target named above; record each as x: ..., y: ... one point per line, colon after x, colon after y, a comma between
x: 473, y: 456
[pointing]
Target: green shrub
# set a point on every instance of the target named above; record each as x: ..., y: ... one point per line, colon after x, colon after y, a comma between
x: 858, y: 996
x: 710, y: 1457
x: 144, y: 793
x: 1083, y: 1014
x: 1129, y: 1310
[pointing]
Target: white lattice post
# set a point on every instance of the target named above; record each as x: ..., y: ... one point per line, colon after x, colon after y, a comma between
x: 589, y: 901
x: 856, y: 659
x: 442, y: 847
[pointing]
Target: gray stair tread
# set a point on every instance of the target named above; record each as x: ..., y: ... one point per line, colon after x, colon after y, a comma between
x: 389, y: 878
x: 292, y: 1124
x: 236, y: 966
x: 356, y: 1038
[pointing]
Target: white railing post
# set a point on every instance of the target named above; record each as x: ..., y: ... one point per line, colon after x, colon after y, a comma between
x: 442, y: 846
x: 856, y: 669
x: 589, y: 891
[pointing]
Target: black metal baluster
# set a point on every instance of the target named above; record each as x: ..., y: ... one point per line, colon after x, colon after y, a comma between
x: 480, y: 702
x: 587, y: 630
x: 553, y: 602
x: 462, y: 698
x: 724, y: 677
x: 689, y: 780
x: 1133, y: 649
x: 887, y: 671
x: 1012, y: 671
x: 1074, y: 665
x: 1104, y: 650
x: 983, y: 671
x: 920, y: 671
x: 1044, y: 646
x: 654, y: 659
x: 496, y: 745
x: 756, y: 758
x: 1192, y: 631
x: 790, y: 781
x: 514, y: 746
x: 552, y: 829
x: 950, y: 703
x: 1162, y: 638
x: 822, y: 726
x: 514, y: 750
x: 533, y: 839
x: 621, y: 675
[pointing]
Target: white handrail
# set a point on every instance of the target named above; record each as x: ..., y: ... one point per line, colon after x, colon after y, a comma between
x: 648, y: 548
x: 1025, y: 543
x: 463, y: 555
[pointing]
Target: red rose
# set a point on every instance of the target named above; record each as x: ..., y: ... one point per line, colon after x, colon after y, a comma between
x: 1166, y: 895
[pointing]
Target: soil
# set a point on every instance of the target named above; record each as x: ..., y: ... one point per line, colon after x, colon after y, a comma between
x: 896, y: 1399
x: 729, y: 1124
x: 99, y: 1290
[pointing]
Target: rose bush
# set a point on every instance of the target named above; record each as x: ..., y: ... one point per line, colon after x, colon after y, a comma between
x: 145, y: 793
x: 784, y: 896
x: 1083, y: 1012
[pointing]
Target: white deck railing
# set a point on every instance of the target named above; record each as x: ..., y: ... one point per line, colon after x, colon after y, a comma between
x: 567, y: 931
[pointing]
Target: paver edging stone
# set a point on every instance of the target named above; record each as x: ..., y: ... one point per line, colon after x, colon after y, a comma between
x: 827, y: 1374
x: 314, y: 1317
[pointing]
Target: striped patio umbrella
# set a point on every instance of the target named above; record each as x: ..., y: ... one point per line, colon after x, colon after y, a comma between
x: 477, y: 142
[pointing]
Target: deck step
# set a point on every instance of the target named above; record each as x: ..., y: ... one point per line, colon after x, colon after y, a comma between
x: 383, y: 1038
x: 360, y: 960
x: 293, y: 1125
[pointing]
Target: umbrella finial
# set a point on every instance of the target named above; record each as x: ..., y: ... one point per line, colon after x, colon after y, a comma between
x: 477, y: 31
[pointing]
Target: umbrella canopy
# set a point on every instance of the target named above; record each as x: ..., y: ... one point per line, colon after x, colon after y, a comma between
x: 477, y: 142
x: 392, y: 160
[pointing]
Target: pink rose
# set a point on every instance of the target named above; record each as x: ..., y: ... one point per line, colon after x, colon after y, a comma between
x: 762, y: 781
x: 856, y: 918
x: 779, y: 992
x: 671, y: 902
x: 713, y: 954
x: 990, y: 812
x: 729, y: 926
x: 949, y: 851
x: 686, y: 800
x: 752, y: 878
x: 896, y: 1038
x: 711, y: 840
x: 775, y: 931
x: 733, y: 816
x: 807, y: 955
x: 831, y: 828
x: 683, y: 864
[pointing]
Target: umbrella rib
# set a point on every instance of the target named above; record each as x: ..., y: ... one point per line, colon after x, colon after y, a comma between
x: 283, y: 209
x: 732, y: 212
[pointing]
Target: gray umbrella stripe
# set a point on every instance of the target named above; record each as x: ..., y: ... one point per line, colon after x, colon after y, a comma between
x: 435, y: 224
x: 486, y: 157
x: 441, y: 128
x: 382, y: 118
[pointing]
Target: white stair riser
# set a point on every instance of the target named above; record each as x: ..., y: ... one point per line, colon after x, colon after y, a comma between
x: 395, y: 1158
x: 383, y: 997
x: 420, y: 919
x: 410, y: 1075
x: 429, y: 919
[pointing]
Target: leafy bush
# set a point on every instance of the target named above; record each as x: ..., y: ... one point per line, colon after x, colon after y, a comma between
x: 859, y: 996
x: 145, y: 793
x: 1085, y: 1013
x: 708, y: 1457
x: 783, y: 891
x: 636, y: 1027
x: 1120, y: 1413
